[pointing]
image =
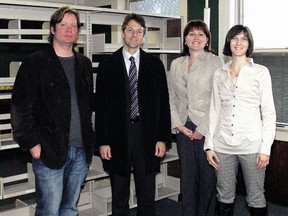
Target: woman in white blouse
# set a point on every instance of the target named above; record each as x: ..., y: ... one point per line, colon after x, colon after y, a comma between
x: 242, y: 124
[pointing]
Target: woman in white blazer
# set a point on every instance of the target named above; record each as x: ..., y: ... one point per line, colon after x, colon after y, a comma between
x: 190, y: 84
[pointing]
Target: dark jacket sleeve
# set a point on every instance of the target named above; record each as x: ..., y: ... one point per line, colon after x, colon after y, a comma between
x: 23, y: 97
x: 99, y: 108
x: 164, y: 108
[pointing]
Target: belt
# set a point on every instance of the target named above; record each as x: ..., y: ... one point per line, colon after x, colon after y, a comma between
x: 136, y: 119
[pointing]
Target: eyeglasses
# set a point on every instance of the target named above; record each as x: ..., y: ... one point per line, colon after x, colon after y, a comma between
x: 137, y: 31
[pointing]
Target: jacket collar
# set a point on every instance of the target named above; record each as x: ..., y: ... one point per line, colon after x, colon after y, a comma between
x: 185, y: 59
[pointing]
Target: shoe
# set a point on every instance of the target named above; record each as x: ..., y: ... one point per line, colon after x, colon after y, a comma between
x: 259, y: 211
x: 225, y: 209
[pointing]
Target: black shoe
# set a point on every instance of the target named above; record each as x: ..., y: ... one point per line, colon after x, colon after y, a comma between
x: 259, y: 211
x: 225, y: 209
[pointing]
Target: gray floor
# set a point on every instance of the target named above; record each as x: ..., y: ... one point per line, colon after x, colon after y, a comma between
x: 168, y: 207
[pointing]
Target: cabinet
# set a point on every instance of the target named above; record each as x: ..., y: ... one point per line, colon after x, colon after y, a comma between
x: 277, y: 173
x: 24, y: 28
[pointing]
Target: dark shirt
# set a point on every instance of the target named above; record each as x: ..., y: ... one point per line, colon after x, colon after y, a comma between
x: 75, y: 137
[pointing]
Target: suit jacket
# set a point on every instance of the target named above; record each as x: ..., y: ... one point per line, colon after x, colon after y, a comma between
x: 41, y: 106
x: 112, y: 113
x: 197, y: 84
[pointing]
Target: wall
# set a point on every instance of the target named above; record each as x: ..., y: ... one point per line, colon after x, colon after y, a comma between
x: 196, y: 11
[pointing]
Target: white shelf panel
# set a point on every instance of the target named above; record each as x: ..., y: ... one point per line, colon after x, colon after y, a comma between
x: 166, y: 192
x: 95, y: 174
x: 7, y: 81
x: 5, y: 96
x: 167, y: 186
x: 24, y: 211
x: 24, y: 32
x: 5, y: 127
x: 6, y: 139
x: 169, y: 157
x: 105, y: 193
x: 32, y: 32
x: 30, y: 41
x: 18, y: 190
x: 162, y: 51
x: 17, y: 185
x: 99, y: 46
x: 96, y: 170
x: 8, y: 144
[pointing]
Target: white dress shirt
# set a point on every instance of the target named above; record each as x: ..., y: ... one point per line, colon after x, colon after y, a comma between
x: 127, y: 61
x: 242, y: 117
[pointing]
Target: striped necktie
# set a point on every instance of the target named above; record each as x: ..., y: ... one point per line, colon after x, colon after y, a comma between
x: 133, y: 82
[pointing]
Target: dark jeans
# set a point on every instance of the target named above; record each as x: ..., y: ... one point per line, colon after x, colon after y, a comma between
x: 57, y: 191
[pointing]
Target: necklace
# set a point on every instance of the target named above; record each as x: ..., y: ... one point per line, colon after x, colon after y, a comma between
x: 232, y: 69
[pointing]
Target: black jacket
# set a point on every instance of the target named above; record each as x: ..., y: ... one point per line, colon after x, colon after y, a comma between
x: 112, y: 114
x: 41, y: 106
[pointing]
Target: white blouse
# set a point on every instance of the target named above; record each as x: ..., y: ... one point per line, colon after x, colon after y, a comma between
x: 242, y: 117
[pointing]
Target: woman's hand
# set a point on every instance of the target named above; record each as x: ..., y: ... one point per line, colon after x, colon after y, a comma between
x: 187, y: 132
x: 262, y: 161
x: 212, y: 158
x: 196, y: 135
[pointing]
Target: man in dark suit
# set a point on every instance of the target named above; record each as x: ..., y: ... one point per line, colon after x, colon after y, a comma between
x: 132, y: 119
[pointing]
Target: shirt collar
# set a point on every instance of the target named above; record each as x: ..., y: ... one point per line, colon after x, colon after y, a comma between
x: 128, y: 55
x: 250, y: 63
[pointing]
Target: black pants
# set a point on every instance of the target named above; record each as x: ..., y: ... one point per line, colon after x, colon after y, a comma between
x: 198, y: 179
x: 144, y: 183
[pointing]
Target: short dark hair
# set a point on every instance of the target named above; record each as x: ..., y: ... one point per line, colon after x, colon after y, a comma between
x: 58, y: 16
x: 138, y: 18
x: 199, y: 25
x: 235, y: 30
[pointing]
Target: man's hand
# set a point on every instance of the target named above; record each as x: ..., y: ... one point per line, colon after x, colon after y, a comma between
x: 105, y: 152
x: 36, y: 151
x: 160, y: 149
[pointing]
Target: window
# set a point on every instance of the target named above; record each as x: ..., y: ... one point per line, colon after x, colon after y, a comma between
x: 267, y: 22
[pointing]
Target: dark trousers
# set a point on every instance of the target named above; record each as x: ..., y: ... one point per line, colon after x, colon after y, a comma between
x: 198, y: 179
x: 144, y: 183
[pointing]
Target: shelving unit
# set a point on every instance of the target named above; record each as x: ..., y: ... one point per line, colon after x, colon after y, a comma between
x: 96, y: 195
x: 26, y: 23
x: 17, y: 185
